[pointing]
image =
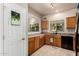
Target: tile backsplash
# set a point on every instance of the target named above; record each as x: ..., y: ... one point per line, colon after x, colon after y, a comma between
x: 71, y: 30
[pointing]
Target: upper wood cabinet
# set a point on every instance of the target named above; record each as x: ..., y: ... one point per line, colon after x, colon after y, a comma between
x: 71, y: 22
x: 44, y: 25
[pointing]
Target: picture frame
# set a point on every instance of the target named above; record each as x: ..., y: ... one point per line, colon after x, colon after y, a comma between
x: 15, y: 18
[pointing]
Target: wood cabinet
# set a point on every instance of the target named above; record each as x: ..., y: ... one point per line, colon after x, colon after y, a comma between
x: 35, y: 43
x: 47, y: 37
x: 57, y: 41
x: 44, y: 25
x: 31, y: 45
x: 42, y: 41
x: 37, y: 39
x: 71, y: 22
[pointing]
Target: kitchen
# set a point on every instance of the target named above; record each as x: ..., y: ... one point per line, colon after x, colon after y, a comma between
x: 51, y: 28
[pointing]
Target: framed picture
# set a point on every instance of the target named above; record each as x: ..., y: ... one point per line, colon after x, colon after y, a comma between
x: 15, y: 18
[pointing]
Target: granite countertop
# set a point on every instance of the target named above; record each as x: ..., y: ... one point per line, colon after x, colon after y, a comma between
x: 60, y: 34
x: 34, y: 35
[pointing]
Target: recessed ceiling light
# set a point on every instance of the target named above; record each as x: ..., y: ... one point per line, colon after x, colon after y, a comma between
x: 56, y: 10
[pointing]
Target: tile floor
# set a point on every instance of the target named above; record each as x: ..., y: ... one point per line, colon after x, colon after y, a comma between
x: 47, y: 50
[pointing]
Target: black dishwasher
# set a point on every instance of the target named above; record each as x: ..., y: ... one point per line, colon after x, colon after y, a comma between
x: 67, y: 42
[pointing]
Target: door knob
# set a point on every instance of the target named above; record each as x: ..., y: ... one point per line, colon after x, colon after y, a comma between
x: 23, y: 38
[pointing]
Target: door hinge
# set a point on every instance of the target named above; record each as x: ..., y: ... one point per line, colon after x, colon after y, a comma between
x: 3, y: 37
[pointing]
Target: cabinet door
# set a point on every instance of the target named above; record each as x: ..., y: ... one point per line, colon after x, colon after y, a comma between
x: 41, y: 43
x: 44, y: 25
x: 57, y: 42
x: 47, y: 37
x: 31, y: 45
x: 71, y: 22
x: 37, y: 42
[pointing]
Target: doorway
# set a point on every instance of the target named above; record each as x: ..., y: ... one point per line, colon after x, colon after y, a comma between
x: 15, y: 35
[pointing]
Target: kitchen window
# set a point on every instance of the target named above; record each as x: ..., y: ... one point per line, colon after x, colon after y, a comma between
x: 34, y: 27
x: 34, y: 24
x: 57, y: 26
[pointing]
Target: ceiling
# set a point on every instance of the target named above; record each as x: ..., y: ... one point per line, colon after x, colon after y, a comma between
x: 46, y: 8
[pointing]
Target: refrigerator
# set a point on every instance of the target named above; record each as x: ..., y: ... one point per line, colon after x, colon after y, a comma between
x: 77, y: 32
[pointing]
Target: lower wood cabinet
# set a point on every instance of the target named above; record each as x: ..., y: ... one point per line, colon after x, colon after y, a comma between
x: 31, y: 45
x: 47, y: 37
x: 57, y: 41
x: 35, y: 43
x: 37, y: 39
x: 41, y: 41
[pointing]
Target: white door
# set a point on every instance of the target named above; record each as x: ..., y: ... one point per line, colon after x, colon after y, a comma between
x: 1, y: 29
x: 14, y: 35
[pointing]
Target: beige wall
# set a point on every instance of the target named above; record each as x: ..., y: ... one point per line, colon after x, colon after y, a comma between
x: 62, y: 16
x: 37, y: 16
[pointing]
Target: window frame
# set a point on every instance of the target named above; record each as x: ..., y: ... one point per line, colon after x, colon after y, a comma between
x: 57, y: 21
